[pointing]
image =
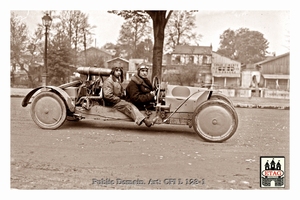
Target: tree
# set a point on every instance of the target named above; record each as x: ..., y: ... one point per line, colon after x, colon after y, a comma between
x: 145, y: 50
x: 60, y: 58
x: 243, y: 45
x: 25, y: 50
x: 115, y: 47
x: 159, y: 21
x: 70, y: 33
x: 133, y: 32
x: 18, y: 43
x: 179, y: 30
x: 35, y: 51
x: 184, y: 75
x: 227, y: 44
x: 74, y: 24
x: 86, y: 31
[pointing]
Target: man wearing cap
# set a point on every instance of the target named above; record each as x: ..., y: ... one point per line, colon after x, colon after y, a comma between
x: 113, y: 94
x: 139, y: 90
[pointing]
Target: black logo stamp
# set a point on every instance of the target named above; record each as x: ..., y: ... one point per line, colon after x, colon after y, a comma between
x: 272, y: 171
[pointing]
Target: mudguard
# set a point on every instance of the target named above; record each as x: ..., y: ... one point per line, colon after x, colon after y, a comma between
x: 62, y: 93
x: 205, y: 96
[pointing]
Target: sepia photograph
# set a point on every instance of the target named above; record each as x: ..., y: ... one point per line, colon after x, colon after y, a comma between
x: 143, y: 100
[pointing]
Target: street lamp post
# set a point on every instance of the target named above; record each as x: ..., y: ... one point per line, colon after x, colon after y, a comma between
x: 47, y: 20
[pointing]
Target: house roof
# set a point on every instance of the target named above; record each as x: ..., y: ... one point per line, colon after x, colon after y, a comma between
x: 272, y: 59
x: 97, y: 49
x: 213, y: 52
x: 117, y: 58
x: 276, y: 76
x: 187, y: 49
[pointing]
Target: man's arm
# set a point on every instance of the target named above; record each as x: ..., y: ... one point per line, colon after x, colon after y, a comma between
x: 136, y: 96
x: 108, y: 92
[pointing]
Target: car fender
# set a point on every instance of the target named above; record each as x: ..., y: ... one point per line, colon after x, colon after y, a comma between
x: 60, y: 91
x: 203, y: 97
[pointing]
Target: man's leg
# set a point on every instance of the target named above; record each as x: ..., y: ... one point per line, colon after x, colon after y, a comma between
x: 130, y: 110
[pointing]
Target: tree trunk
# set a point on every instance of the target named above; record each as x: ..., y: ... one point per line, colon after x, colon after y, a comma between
x: 159, y: 22
x: 12, y: 75
x: 30, y: 83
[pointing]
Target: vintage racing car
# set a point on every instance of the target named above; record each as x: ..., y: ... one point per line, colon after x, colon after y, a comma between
x: 210, y: 113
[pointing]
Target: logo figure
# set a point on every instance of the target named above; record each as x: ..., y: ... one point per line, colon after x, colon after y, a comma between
x: 272, y: 174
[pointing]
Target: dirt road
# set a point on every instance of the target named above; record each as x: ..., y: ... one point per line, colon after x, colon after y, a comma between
x: 116, y: 155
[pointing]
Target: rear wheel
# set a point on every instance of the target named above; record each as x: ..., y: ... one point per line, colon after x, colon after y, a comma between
x: 48, y: 110
x: 215, y: 121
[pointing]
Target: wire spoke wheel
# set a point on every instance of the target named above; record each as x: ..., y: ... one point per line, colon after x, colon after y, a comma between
x: 48, y: 110
x: 215, y: 120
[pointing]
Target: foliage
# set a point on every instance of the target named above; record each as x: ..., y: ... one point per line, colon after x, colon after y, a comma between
x: 133, y: 33
x: 110, y: 46
x: 18, y: 42
x: 179, y: 30
x: 243, y: 45
x: 94, y: 59
x: 159, y: 21
x: 59, y: 58
x: 69, y: 34
x: 145, y: 50
x: 185, y: 75
x: 24, y: 53
x: 74, y: 25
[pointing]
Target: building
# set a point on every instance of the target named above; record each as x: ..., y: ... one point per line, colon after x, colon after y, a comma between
x: 226, y: 73
x: 250, y: 76
x: 275, y: 76
x: 94, y: 56
x: 212, y: 68
x: 185, y: 55
x: 275, y: 72
x: 118, y: 62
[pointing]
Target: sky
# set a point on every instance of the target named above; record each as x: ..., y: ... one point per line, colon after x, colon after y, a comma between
x: 273, y: 24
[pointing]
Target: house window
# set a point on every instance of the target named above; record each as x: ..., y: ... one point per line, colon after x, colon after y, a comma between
x: 230, y: 69
x: 221, y: 69
x: 204, y: 60
x: 225, y: 68
x: 177, y: 60
x: 191, y: 60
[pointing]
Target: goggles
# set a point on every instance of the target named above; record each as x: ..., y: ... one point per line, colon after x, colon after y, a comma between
x: 143, y: 67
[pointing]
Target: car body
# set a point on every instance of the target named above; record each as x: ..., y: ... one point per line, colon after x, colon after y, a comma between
x: 211, y: 114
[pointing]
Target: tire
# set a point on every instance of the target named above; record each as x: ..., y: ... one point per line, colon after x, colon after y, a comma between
x: 215, y: 121
x: 48, y: 110
x: 222, y: 97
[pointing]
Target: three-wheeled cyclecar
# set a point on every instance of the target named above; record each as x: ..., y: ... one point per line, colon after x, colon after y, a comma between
x: 211, y: 114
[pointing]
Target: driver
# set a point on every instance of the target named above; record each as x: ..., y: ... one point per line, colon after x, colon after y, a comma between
x: 139, y: 90
x: 113, y: 94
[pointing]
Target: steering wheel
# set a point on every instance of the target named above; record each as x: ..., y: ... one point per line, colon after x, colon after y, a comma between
x: 156, y: 86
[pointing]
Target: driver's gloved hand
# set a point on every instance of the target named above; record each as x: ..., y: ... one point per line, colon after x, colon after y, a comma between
x: 152, y: 93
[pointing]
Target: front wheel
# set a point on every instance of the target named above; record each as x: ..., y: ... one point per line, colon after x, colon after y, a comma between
x: 48, y: 110
x: 218, y: 96
x: 215, y: 121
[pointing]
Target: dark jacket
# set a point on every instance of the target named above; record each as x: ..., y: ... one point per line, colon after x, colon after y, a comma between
x: 138, y: 92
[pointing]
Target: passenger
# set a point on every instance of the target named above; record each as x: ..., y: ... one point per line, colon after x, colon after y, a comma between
x: 113, y: 94
x: 139, y: 90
